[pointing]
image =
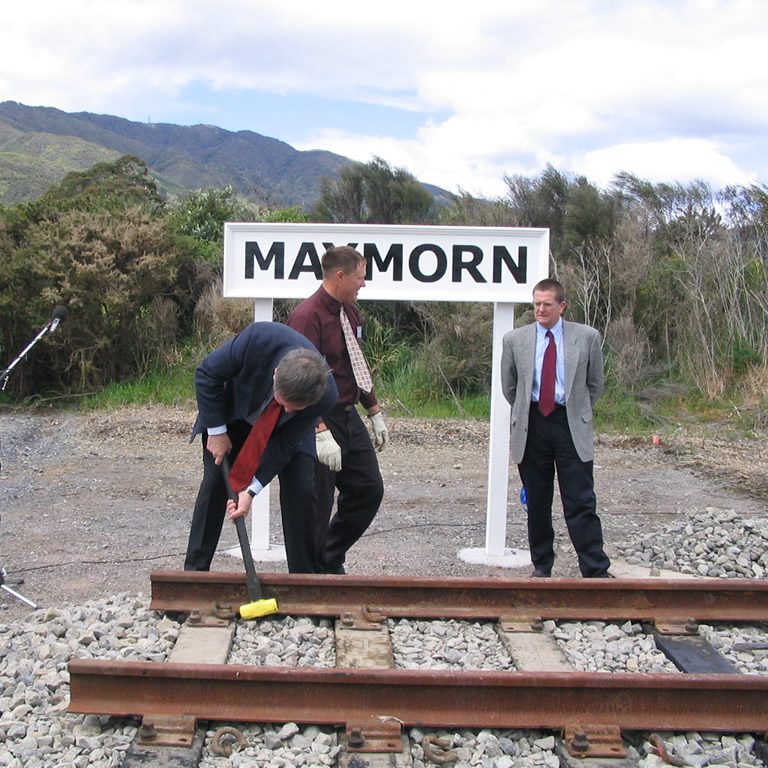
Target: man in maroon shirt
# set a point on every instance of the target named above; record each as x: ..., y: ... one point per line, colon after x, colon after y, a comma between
x: 347, y: 460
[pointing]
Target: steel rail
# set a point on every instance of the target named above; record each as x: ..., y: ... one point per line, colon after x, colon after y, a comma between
x: 437, y: 698
x: 659, y: 600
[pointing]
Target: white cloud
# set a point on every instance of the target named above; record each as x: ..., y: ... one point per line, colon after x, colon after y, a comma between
x: 671, y: 160
x: 591, y: 86
x: 429, y: 161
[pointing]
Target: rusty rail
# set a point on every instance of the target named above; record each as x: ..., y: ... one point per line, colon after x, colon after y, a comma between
x: 374, y: 703
x: 435, y: 698
x: 663, y: 601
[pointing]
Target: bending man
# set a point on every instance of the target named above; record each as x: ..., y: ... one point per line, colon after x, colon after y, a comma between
x: 234, y: 384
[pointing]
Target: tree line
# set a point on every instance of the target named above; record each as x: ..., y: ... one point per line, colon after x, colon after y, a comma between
x: 674, y: 276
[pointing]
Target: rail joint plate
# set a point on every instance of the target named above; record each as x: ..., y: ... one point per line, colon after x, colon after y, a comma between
x: 521, y: 623
x: 167, y: 731
x: 676, y: 626
x: 594, y: 741
x: 216, y: 616
x: 364, y: 617
x: 376, y: 734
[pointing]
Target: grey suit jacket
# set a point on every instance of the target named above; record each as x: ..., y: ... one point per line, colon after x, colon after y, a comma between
x: 583, y: 383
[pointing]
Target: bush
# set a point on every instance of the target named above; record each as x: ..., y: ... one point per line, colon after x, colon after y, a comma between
x: 457, y: 347
x: 117, y: 274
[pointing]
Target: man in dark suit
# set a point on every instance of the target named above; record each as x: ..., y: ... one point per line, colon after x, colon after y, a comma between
x: 234, y: 384
x: 558, y: 434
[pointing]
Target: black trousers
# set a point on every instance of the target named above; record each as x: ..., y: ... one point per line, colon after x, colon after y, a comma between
x: 359, y: 484
x: 550, y: 447
x: 296, y: 504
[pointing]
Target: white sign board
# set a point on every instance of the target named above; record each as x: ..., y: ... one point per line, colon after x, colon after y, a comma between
x: 413, y: 263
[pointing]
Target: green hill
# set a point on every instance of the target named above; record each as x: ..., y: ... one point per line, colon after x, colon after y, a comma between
x: 39, y: 145
x: 31, y: 162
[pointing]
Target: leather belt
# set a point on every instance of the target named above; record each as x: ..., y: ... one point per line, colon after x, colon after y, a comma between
x: 558, y: 407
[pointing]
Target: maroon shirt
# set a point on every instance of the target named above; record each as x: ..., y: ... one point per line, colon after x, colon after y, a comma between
x: 317, y: 318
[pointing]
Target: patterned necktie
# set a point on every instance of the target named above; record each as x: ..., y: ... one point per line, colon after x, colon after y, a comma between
x: 359, y: 366
x: 247, y: 461
x: 547, y: 385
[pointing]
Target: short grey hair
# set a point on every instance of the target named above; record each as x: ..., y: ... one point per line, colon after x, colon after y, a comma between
x: 549, y: 284
x: 301, y: 376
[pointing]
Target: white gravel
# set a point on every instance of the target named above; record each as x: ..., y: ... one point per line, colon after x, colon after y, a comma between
x: 286, y: 642
x: 595, y: 646
x: 37, y: 732
x: 712, y: 543
x: 35, y: 729
x: 448, y: 645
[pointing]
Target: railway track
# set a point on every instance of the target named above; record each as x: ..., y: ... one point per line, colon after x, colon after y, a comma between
x: 373, y: 703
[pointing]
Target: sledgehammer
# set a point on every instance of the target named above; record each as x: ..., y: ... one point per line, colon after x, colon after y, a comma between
x: 259, y: 605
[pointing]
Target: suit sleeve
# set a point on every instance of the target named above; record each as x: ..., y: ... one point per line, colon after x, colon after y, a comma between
x: 595, y: 381
x: 508, y: 370
x: 212, y: 381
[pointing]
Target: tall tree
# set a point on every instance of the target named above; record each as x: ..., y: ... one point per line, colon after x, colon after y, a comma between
x: 541, y: 202
x: 374, y: 193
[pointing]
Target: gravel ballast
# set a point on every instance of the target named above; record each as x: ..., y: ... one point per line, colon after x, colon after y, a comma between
x: 37, y: 732
x: 92, y: 503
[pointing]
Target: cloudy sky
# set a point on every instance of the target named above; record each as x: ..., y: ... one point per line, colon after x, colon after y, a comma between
x: 459, y: 94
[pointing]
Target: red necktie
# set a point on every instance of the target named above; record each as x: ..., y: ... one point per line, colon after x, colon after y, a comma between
x: 247, y: 461
x: 547, y: 385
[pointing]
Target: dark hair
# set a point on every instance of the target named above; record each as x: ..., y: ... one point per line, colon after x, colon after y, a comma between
x: 341, y: 257
x: 301, y: 376
x: 548, y: 284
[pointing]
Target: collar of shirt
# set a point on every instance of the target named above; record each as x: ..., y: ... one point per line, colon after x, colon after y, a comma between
x: 557, y: 332
x: 251, y: 417
x: 332, y: 305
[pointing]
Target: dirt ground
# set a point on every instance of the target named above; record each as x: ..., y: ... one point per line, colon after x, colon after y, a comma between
x: 91, y: 504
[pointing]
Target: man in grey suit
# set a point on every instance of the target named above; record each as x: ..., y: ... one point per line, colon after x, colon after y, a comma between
x: 552, y: 392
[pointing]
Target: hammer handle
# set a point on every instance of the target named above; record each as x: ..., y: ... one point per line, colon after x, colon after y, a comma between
x: 251, y: 579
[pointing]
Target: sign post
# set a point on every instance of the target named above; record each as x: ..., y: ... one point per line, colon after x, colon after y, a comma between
x: 404, y: 263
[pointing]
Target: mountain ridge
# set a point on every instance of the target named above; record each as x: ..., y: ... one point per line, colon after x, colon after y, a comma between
x: 40, y: 145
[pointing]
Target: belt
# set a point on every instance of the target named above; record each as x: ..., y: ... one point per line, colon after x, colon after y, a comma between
x: 558, y: 407
x: 341, y: 407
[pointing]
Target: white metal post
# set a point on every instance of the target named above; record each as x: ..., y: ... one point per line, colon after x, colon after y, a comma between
x: 496, y: 552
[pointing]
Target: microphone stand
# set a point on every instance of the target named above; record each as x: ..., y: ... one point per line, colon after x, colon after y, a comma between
x: 4, y: 374
x: 13, y: 592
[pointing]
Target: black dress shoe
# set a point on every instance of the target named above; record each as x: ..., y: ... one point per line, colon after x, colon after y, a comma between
x: 540, y: 573
x: 605, y: 575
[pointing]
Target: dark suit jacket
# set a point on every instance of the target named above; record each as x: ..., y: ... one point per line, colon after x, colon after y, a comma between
x: 583, y: 383
x: 235, y: 381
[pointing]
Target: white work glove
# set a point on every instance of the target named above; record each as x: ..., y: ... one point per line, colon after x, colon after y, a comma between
x: 328, y: 450
x: 380, y: 431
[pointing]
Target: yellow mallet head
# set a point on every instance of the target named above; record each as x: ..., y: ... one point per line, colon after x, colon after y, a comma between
x: 258, y: 608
